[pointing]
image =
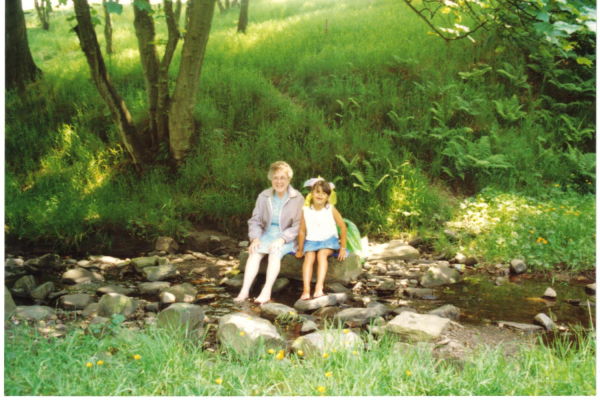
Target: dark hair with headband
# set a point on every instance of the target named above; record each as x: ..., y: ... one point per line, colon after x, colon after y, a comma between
x: 324, y: 185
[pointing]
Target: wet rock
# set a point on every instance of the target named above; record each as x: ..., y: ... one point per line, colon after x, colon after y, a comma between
x: 517, y: 266
x: 518, y: 326
x: 446, y: 311
x: 91, y: 310
x: 24, y: 286
x: 394, y: 250
x: 80, y: 275
x: 166, y: 244
x: 243, y: 333
x: 271, y: 311
x: 591, y: 288
x: 308, y: 326
x: 291, y: 267
x: 544, y: 321
x: 415, y: 293
x: 139, y: 263
x: 114, y: 303
x: 418, y: 327
x: 76, y: 301
x: 470, y: 261
x: 338, y: 288
x: 34, y: 312
x: 153, y: 287
x: 280, y: 284
x: 235, y: 283
x: 98, y: 327
x: 416, y: 242
x: 324, y: 301
x: 550, y: 294
x: 185, y: 293
x: 182, y: 317
x: 159, y: 273
x: 321, y: 342
x: 387, y: 286
x: 501, y: 281
x: 113, y: 289
x: 438, y: 276
x: 9, y: 303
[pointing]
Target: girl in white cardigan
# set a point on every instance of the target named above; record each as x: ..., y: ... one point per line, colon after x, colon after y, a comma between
x: 318, y: 237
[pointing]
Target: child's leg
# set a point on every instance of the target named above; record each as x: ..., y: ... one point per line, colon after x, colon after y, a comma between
x: 321, y: 270
x: 251, y: 270
x: 307, y: 271
x: 272, y: 272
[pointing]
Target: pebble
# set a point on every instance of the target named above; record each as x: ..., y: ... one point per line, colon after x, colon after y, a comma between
x: 550, y: 293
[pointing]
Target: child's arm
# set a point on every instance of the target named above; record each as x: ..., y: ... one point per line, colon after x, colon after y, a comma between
x: 343, y: 253
x: 301, y: 237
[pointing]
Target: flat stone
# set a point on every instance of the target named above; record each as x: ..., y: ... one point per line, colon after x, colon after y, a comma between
x: 113, y: 289
x: 91, y: 310
x: 14, y: 263
x: 418, y: 327
x: 308, y: 326
x: 34, y: 312
x: 235, y: 283
x: 518, y: 266
x: 338, y: 288
x: 153, y: 287
x: 519, y: 326
x: 357, y: 317
x: 324, y: 301
x: 400, y: 310
x: 438, y: 276
x: 544, y: 321
x: 182, y: 317
x: 185, y: 293
x: 80, y: 275
x: 76, y: 301
x: 271, y: 311
x: 326, y: 312
x: 321, y: 342
x: 159, y: 273
x: 394, y: 250
x: 446, y: 311
x: 139, y: 263
x: 105, y: 259
x: 291, y: 267
x: 387, y: 286
x: 550, y: 293
x: 114, y: 303
x: 243, y: 333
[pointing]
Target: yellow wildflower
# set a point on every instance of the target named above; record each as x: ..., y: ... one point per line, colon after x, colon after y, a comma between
x: 300, y: 353
x: 545, y: 241
x: 137, y: 357
x: 556, y: 185
x: 242, y: 333
x: 553, y: 209
x: 271, y: 351
x: 328, y: 374
x: 219, y: 381
x: 280, y: 355
x: 532, y: 231
x: 100, y: 362
x: 562, y: 206
x: 334, y: 351
x: 321, y: 389
x: 292, y: 313
x: 89, y: 365
x: 346, y: 330
x: 355, y: 352
x: 576, y: 213
x: 325, y: 355
x: 408, y: 373
x: 570, y: 240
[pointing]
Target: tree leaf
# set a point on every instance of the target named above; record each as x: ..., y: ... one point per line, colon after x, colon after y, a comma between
x: 113, y: 7
x: 142, y: 5
x: 585, y: 61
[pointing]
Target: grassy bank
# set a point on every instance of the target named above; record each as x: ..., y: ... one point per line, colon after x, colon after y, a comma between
x: 372, y: 97
x: 153, y: 363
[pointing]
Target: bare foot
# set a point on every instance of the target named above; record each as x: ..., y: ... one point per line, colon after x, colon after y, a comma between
x: 318, y: 294
x: 240, y: 298
x: 305, y: 296
x: 262, y: 300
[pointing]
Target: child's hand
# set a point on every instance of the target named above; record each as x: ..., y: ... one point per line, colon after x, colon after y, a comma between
x: 343, y: 253
x: 299, y: 254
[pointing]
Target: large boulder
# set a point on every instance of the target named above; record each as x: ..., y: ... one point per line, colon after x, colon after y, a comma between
x: 76, y: 301
x: 183, y: 317
x: 291, y: 267
x: 394, y: 250
x: 153, y: 287
x: 243, y: 333
x: 321, y: 342
x: 41, y: 292
x: 80, y: 275
x: 114, y: 303
x: 9, y: 303
x: 323, y: 301
x: 417, y: 327
x: 34, y: 312
x: 159, y: 273
x: 438, y: 276
x: 185, y: 293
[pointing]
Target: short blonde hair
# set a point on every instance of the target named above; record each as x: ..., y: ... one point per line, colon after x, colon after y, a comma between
x: 280, y: 166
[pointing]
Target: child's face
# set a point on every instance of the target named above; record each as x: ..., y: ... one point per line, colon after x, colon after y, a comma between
x: 319, y: 197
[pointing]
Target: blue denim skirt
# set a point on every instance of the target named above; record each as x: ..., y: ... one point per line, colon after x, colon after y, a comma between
x: 331, y: 243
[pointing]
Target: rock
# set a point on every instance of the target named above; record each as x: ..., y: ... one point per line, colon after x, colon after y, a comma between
x: 166, y: 244
x: 416, y: 242
x: 80, y: 275
x: 387, y: 286
x: 207, y: 241
x: 45, y: 261
x: 243, y: 333
x: 338, y: 288
x: 324, y: 301
x: 9, y: 303
x: 86, y: 264
x: 98, y: 327
x: 394, y: 250
x: 34, y: 312
x: 452, y: 234
x: 113, y: 289
x: 114, y: 303
x: 321, y: 342
x: 438, y: 276
x: 517, y: 266
x: 518, y: 326
x: 243, y: 244
x: 185, y: 293
x: 271, y: 311
x: 41, y: 292
x: 418, y: 327
x: 91, y: 310
x: 280, y: 284
x: 308, y: 326
x: 549, y: 293
x: 460, y: 258
x: 14, y: 263
x: 591, y: 288
x: 24, y: 286
x: 76, y: 301
x: 544, y: 321
x: 235, y: 283
x: 400, y: 310
x: 153, y: 287
x: 446, y: 311
x: 416, y: 293
x: 501, y: 280
x: 139, y: 263
x: 152, y: 307
x: 326, y: 312
x: 182, y: 317
x: 154, y: 274
x: 105, y: 259
x: 189, y: 257
x: 357, y: 317
x: 291, y: 267
x: 470, y: 261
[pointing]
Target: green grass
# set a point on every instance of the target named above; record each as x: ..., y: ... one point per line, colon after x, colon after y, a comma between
x: 375, y: 86
x: 177, y: 367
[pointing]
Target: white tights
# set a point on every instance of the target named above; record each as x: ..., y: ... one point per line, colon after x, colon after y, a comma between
x: 252, y: 266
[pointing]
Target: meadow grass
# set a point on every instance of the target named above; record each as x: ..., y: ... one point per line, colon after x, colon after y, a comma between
x: 312, y: 83
x: 156, y: 363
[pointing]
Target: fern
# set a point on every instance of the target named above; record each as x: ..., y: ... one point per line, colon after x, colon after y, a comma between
x: 510, y: 109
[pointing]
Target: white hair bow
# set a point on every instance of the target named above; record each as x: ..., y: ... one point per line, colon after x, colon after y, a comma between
x: 311, y: 182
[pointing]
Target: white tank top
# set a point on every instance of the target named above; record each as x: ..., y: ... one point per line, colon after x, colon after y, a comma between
x: 320, y: 225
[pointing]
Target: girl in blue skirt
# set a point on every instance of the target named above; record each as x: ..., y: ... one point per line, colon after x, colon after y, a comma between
x: 318, y: 237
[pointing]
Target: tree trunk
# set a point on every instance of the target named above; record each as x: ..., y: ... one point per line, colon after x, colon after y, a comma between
x: 108, y: 29
x: 41, y: 12
x: 227, y: 7
x: 162, y: 111
x: 181, y: 112
x: 20, y: 67
x: 221, y: 8
x: 144, y: 30
x: 119, y: 113
x: 243, y: 21
x: 178, y: 12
